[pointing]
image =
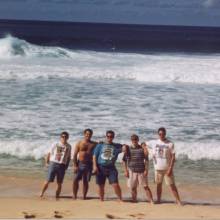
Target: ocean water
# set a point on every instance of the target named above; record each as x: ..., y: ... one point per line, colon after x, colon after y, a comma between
x: 45, y: 90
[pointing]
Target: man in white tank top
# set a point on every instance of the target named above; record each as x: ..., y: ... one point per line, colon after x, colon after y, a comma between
x: 163, y: 154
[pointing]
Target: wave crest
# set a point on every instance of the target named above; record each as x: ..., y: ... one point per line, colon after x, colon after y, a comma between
x: 37, y: 150
x: 14, y: 47
x: 23, y: 60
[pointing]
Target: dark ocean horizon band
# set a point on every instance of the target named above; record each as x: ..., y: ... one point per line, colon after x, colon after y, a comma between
x: 115, y: 36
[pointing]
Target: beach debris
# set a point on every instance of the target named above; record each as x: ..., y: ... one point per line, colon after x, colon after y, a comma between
x: 28, y: 215
x: 138, y: 215
x: 110, y: 216
x: 57, y: 215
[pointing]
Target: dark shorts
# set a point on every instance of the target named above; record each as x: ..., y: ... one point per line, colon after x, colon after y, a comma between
x: 107, y: 172
x: 84, y: 172
x: 56, y: 170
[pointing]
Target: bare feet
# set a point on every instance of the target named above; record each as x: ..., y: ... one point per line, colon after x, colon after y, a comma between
x: 152, y: 202
x: 158, y: 202
x: 178, y: 202
x: 41, y: 196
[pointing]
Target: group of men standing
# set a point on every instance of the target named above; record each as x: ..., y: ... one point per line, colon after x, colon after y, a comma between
x: 99, y: 159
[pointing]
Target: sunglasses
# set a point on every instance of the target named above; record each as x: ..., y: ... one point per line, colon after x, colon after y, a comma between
x: 64, y: 136
x: 161, y: 134
x: 110, y: 136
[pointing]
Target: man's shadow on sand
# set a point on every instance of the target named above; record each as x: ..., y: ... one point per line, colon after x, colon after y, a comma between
x: 128, y: 200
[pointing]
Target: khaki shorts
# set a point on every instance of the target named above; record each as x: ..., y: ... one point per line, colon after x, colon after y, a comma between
x: 136, y: 179
x: 161, y: 174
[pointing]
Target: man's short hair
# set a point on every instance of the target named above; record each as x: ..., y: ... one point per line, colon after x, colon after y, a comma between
x: 65, y: 133
x: 88, y: 130
x: 162, y: 129
x: 110, y: 132
x: 134, y: 136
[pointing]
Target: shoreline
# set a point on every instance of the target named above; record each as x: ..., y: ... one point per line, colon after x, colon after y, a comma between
x: 19, y: 198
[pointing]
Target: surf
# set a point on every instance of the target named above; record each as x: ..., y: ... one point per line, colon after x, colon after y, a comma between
x: 22, y: 60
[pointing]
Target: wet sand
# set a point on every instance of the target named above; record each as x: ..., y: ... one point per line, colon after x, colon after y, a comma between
x: 19, y: 199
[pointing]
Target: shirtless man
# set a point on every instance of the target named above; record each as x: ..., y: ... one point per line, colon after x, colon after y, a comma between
x: 82, y: 162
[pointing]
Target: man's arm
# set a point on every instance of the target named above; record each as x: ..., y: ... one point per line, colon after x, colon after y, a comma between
x: 47, y: 159
x: 124, y: 148
x: 171, y: 165
x: 68, y: 160
x: 95, y: 167
x: 75, y: 159
x: 125, y: 165
x: 95, y: 158
x: 172, y: 161
x: 146, y: 161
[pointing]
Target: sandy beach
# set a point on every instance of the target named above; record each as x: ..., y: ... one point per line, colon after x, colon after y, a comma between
x: 19, y: 199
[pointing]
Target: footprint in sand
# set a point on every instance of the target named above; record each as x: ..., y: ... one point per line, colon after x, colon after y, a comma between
x: 28, y: 215
x: 138, y: 215
x: 57, y: 215
x: 110, y: 216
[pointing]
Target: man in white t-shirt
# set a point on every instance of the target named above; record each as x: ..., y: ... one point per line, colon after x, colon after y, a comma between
x: 163, y: 154
x: 57, y: 159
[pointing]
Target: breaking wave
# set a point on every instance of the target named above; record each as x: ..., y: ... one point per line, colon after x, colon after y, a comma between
x: 37, y: 150
x: 22, y: 60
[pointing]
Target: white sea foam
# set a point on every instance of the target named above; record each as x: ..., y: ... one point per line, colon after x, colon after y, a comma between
x: 39, y: 109
x: 22, y: 60
x: 37, y: 150
x: 11, y: 47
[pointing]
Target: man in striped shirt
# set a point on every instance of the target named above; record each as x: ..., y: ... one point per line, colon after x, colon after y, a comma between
x: 136, y: 168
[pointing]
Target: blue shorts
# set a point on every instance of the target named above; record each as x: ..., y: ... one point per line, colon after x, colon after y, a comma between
x: 84, y: 172
x: 56, y: 170
x: 107, y: 172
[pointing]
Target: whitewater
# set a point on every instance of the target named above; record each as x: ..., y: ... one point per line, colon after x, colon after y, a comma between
x: 45, y: 90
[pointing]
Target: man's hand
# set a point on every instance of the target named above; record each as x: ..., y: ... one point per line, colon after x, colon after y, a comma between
x: 46, y: 164
x: 126, y: 173
x: 95, y: 170
x: 75, y: 169
x: 145, y: 173
x: 169, y: 172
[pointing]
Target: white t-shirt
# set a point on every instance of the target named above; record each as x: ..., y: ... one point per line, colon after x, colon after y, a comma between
x: 161, y: 153
x: 60, y: 153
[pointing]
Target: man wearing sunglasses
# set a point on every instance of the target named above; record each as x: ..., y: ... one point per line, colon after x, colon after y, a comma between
x: 104, y: 158
x: 58, y: 160
x: 163, y: 153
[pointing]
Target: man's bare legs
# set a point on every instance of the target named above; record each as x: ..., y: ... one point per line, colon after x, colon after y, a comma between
x: 45, y: 186
x: 159, y: 192
x: 75, y: 188
x: 85, y: 186
x: 117, y: 189
x: 173, y: 190
x: 149, y: 194
x: 58, y: 190
x: 175, y: 194
x: 134, y: 194
x: 101, y: 192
